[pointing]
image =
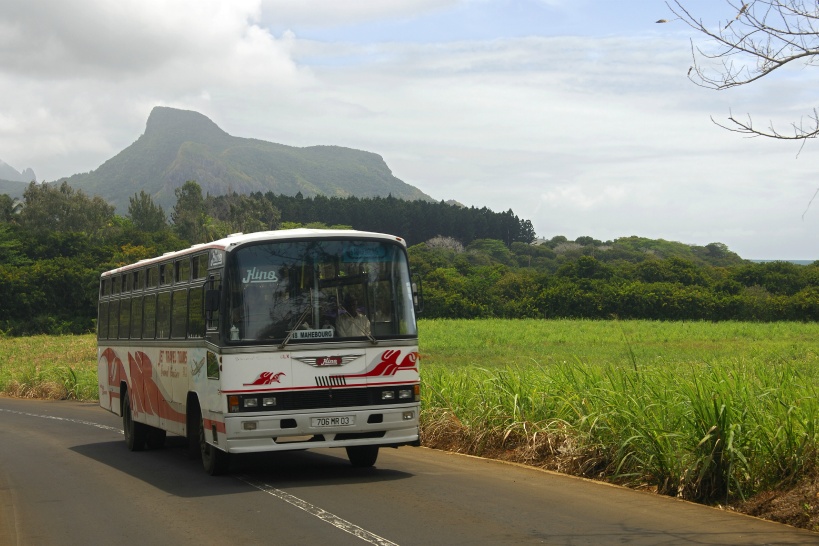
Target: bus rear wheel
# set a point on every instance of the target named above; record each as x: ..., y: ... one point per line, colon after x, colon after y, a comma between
x: 215, y: 461
x: 362, y: 456
x: 136, y: 434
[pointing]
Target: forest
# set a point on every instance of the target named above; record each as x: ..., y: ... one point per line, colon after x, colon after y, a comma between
x: 472, y: 263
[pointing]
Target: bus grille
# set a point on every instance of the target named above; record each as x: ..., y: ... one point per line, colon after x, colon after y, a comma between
x: 330, y: 398
x: 321, y: 399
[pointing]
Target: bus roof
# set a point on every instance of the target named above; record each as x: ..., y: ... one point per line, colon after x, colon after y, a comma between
x: 235, y: 239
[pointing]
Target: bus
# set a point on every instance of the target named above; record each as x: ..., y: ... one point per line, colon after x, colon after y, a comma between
x: 268, y: 341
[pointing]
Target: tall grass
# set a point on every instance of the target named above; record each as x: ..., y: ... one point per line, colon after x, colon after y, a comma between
x: 656, y: 409
x: 51, y: 367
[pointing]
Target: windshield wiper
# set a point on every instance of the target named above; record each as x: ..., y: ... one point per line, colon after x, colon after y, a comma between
x: 296, y: 327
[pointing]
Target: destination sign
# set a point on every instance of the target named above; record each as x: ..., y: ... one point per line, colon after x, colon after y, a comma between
x: 313, y: 334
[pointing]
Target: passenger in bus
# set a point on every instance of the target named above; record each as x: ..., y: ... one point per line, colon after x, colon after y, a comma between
x: 351, y: 323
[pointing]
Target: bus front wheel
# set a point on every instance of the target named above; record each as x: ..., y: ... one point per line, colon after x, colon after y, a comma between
x: 136, y: 434
x: 214, y: 460
x: 362, y: 456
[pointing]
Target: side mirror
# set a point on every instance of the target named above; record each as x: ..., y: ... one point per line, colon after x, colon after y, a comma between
x: 212, y: 300
x: 417, y: 294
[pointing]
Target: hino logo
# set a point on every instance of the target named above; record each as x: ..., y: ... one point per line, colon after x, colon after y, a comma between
x: 259, y: 275
x: 326, y: 361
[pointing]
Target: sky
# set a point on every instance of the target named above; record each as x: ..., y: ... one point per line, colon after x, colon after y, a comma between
x: 575, y: 114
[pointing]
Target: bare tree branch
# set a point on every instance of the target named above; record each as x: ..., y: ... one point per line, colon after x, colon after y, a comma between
x: 763, y: 36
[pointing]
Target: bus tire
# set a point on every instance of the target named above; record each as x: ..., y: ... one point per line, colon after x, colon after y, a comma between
x: 215, y: 461
x: 135, y: 433
x: 155, y: 438
x: 362, y: 456
x: 192, y: 425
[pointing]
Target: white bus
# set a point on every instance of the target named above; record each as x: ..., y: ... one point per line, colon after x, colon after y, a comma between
x: 267, y: 341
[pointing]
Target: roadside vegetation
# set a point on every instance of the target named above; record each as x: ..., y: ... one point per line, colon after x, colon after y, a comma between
x: 719, y: 413
x: 49, y: 367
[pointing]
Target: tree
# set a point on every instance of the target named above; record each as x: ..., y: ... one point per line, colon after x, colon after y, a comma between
x: 245, y: 213
x: 188, y: 214
x: 760, y: 37
x: 145, y: 214
x: 448, y: 243
x: 9, y: 208
x: 48, y: 207
x: 527, y: 232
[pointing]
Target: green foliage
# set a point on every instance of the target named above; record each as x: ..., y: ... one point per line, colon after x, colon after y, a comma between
x: 48, y: 207
x: 9, y: 207
x: 475, y: 263
x: 242, y: 213
x: 704, y: 411
x: 145, y: 214
x: 188, y: 214
x: 572, y: 280
x: 415, y: 221
x: 53, y: 367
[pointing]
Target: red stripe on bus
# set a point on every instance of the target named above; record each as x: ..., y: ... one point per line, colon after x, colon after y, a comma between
x: 209, y: 424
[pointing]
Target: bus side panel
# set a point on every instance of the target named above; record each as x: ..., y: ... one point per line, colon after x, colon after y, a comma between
x: 149, y: 385
x: 110, y: 371
x: 144, y: 390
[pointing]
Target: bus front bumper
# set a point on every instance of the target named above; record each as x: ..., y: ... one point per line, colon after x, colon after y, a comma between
x: 387, y: 426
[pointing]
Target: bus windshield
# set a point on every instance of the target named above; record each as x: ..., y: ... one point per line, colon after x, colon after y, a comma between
x: 319, y: 290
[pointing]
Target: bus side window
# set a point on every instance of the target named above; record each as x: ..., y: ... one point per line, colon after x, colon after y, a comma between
x: 102, y: 321
x: 196, y: 313
x: 124, y: 318
x: 182, y: 270
x: 165, y: 274
x: 179, y: 313
x: 149, y: 316
x: 113, y: 319
x: 136, y: 317
x: 199, y: 267
x: 163, y: 315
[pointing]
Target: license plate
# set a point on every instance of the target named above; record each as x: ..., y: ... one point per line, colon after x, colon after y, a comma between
x: 340, y: 421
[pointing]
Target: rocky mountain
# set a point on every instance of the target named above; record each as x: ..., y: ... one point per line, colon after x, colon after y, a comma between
x: 181, y: 145
x: 10, y: 174
x: 14, y: 183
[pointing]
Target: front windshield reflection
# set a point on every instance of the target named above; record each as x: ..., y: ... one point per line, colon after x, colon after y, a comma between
x: 319, y: 291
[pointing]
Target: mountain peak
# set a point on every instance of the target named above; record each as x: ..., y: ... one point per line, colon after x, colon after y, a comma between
x: 182, y: 123
x: 181, y: 145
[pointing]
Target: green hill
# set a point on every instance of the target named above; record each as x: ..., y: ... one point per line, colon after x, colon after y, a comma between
x: 180, y: 145
x: 13, y: 188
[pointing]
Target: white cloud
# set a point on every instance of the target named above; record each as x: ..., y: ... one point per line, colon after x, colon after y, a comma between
x: 599, y: 136
x: 83, y: 75
x: 334, y: 13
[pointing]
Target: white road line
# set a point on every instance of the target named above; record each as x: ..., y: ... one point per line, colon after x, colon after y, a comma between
x: 78, y: 421
x: 320, y: 513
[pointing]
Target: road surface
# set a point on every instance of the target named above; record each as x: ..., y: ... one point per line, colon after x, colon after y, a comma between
x: 67, y: 478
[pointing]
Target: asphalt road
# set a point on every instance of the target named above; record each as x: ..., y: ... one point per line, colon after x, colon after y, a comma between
x: 66, y: 477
